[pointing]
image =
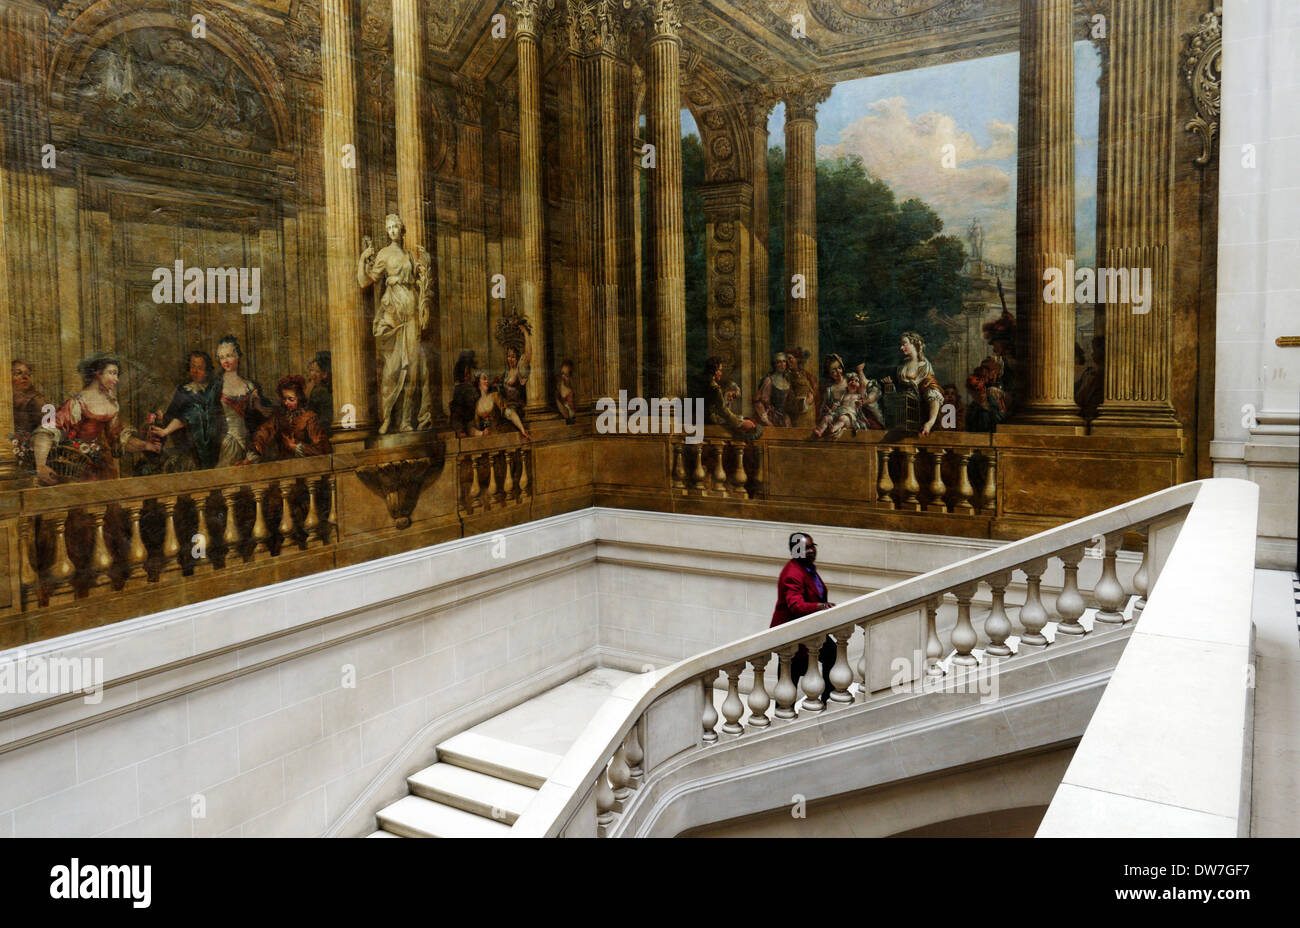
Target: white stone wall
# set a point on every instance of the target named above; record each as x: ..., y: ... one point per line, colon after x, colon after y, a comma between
x: 238, y: 705
x: 1257, y: 383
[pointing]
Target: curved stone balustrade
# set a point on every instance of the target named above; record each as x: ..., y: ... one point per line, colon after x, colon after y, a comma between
x: 673, y: 709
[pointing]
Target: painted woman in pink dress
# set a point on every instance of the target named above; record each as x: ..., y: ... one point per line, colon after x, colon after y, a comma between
x: 88, y: 435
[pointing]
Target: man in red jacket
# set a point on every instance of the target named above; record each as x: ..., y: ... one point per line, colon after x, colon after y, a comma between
x: 801, y: 592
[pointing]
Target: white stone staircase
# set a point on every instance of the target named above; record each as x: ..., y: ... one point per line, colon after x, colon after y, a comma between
x: 485, y: 777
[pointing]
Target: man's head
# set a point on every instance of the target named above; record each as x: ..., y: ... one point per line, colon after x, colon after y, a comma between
x: 293, y: 393
x: 802, y: 547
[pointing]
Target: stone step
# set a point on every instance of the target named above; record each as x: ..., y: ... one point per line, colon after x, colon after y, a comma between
x: 525, y: 766
x: 382, y: 834
x: 416, y: 817
x: 462, y: 788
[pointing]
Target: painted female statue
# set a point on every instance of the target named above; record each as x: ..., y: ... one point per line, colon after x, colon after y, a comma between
x: 916, y: 376
x: 88, y: 435
x: 401, y: 316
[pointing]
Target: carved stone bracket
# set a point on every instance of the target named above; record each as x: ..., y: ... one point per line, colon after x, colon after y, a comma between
x: 1202, y: 68
x: 398, y: 484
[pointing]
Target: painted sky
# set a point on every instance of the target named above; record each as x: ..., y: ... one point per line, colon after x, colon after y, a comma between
x: 899, y: 124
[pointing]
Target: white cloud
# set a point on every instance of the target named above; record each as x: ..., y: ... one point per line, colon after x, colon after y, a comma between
x: 907, y: 153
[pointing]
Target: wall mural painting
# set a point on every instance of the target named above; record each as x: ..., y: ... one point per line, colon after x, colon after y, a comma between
x: 341, y: 306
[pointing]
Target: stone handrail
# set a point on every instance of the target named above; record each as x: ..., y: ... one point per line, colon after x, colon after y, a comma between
x: 1167, y: 751
x: 661, y: 713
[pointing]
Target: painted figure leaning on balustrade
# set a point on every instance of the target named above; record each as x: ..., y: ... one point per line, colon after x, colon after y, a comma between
x: 802, y: 401
x: 88, y: 436
x: 28, y: 412
x: 716, y: 409
x: 194, y: 417
x: 769, y: 403
x: 513, y: 332
x: 320, y: 388
x: 401, y: 316
x: 293, y: 431
x: 243, y: 408
x: 916, y: 376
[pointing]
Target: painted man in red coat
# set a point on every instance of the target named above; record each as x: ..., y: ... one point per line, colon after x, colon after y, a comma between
x: 801, y: 592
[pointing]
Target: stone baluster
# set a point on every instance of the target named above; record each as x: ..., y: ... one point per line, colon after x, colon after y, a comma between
x: 864, y: 687
x: 508, y: 478
x: 997, y: 627
x: 963, y: 636
x: 758, y: 698
x: 785, y: 692
x: 61, y: 569
x: 732, y: 707
x: 313, y: 520
x: 475, y: 488
x: 965, y: 491
x: 331, y: 526
x: 231, y: 534
x: 812, y: 683
x: 136, y: 554
x: 286, y: 513
x: 261, y: 533
x: 604, y: 801
x: 760, y: 478
x: 1069, y: 604
x: 28, y: 573
x: 101, y: 562
x: 678, y: 470
x: 910, y: 488
x: 937, y: 488
x: 1142, y: 579
x: 988, y: 498
x: 933, y: 647
x: 620, y: 776
x: 635, y: 754
x: 719, y: 472
x: 1109, y: 592
x: 493, y: 494
x: 524, y: 465
x: 698, y: 476
x: 1033, y: 615
x: 885, y: 483
x: 171, y: 544
x: 710, y: 716
x: 738, y: 477
x: 841, y: 675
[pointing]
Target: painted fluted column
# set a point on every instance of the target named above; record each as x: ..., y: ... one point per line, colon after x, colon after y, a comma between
x: 668, y: 241
x: 1045, y: 208
x: 414, y: 203
x: 8, y: 467
x: 1134, y: 209
x: 531, y: 205
x: 349, y: 328
x: 473, y: 245
x: 758, y: 107
x: 29, y: 193
x: 801, y: 100
x: 598, y: 37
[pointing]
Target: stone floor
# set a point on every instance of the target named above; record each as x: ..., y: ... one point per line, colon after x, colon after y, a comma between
x: 552, y: 721
x: 1275, y: 791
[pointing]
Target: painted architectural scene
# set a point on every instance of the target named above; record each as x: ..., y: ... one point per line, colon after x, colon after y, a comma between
x: 290, y: 285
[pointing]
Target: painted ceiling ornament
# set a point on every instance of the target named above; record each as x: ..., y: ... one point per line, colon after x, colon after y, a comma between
x: 1202, y: 68
x: 863, y: 17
